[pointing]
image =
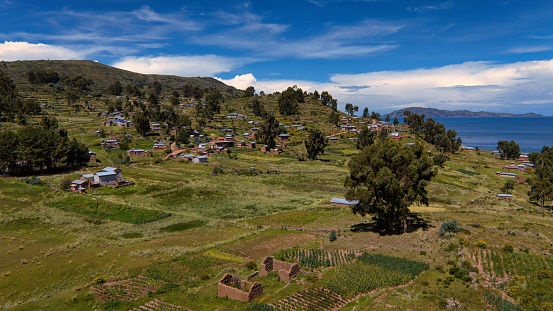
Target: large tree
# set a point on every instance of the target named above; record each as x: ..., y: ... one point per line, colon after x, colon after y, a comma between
x: 508, y: 150
x: 115, y: 88
x: 387, y: 177
x: 288, y: 103
x: 141, y: 123
x: 269, y: 130
x: 315, y: 143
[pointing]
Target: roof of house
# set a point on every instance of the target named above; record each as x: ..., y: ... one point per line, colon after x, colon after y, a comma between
x: 87, y: 175
x: 109, y: 169
x: 502, y: 195
x: 101, y: 174
x: 343, y: 201
x: 78, y: 182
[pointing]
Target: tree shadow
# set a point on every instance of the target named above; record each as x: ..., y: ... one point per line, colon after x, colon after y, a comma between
x: 414, y: 223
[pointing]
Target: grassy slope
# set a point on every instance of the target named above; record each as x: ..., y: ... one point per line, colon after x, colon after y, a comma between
x: 102, y: 75
x: 247, y: 218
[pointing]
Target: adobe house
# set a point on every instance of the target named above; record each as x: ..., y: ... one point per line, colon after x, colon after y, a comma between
x: 159, y: 146
x: 199, y: 159
x: 285, y: 270
x: 284, y: 137
x: 117, y: 171
x: 251, y: 145
x: 105, y: 178
x: 92, y: 155
x: 139, y: 153
x: 79, y: 186
x: 265, y: 149
x: 237, y: 289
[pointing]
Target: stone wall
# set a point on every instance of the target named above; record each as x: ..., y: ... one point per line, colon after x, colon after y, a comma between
x: 242, y: 290
x: 285, y: 270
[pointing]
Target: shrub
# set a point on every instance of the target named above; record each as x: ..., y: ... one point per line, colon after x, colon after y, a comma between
x: 260, y: 307
x: 100, y: 279
x: 65, y: 184
x: 482, y: 244
x: 250, y: 265
x: 332, y: 237
x: 508, y: 248
x: 451, y: 247
x: 422, y: 253
x: 544, y: 274
x: 449, y: 226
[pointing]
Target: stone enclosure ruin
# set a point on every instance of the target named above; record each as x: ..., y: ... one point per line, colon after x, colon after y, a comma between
x: 237, y: 289
x: 285, y: 270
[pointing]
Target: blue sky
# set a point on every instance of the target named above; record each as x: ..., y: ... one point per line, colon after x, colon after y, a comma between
x: 381, y: 54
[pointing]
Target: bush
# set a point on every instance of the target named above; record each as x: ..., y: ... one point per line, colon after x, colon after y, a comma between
x: 260, y: 307
x: 508, y: 248
x: 422, y: 253
x: 65, y: 184
x: 544, y: 274
x: 449, y: 226
x: 482, y: 244
x: 250, y: 265
x: 332, y: 237
x: 100, y: 279
x: 451, y: 247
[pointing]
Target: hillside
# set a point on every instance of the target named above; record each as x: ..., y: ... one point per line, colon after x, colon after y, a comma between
x: 439, y: 113
x: 165, y: 237
x: 103, y: 75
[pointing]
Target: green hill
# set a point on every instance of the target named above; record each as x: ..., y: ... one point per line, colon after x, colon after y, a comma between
x: 103, y: 75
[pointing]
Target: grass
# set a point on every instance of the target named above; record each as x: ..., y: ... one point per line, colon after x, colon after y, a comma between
x: 107, y: 210
x: 184, y: 226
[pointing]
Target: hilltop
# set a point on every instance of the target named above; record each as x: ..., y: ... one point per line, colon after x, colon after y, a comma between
x: 439, y: 113
x: 103, y: 75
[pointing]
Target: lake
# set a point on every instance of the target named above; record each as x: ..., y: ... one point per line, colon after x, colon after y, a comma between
x: 531, y: 133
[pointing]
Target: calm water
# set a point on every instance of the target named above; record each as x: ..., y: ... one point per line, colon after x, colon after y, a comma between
x: 531, y: 134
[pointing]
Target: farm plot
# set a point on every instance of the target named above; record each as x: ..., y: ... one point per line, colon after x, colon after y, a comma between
x: 311, y: 299
x: 502, y: 265
x: 314, y: 258
x: 159, y: 305
x: 109, y: 210
x: 125, y: 290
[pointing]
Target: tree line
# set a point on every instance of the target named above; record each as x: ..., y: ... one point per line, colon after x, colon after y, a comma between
x: 541, y: 186
x: 36, y: 148
x: 12, y: 105
x: 433, y: 132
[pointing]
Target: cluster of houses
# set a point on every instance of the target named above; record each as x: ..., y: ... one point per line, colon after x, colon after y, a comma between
x: 108, y: 177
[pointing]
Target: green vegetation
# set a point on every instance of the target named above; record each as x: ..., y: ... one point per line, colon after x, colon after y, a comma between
x: 229, y: 214
x: 108, y: 210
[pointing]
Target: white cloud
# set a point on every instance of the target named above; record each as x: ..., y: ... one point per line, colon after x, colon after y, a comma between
x: 516, y: 87
x: 10, y: 51
x: 187, y: 66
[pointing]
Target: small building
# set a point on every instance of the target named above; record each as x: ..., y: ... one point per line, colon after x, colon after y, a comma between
x: 504, y: 196
x: 92, y: 156
x: 117, y: 171
x: 284, y: 137
x: 156, y: 127
x: 139, y: 153
x: 199, y: 159
x: 159, y: 146
x: 503, y: 174
x: 79, y: 185
x: 251, y: 145
x: 523, y: 158
x: 343, y: 202
x: 105, y: 178
x: 265, y: 149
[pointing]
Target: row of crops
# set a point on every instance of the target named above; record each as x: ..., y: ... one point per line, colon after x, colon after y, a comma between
x: 503, y: 264
x: 315, y: 258
x: 311, y: 299
x: 125, y: 290
x: 159, y: 305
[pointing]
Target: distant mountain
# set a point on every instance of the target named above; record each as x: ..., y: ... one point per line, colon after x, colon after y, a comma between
x: 103, y: 75
x: 438, y: 113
